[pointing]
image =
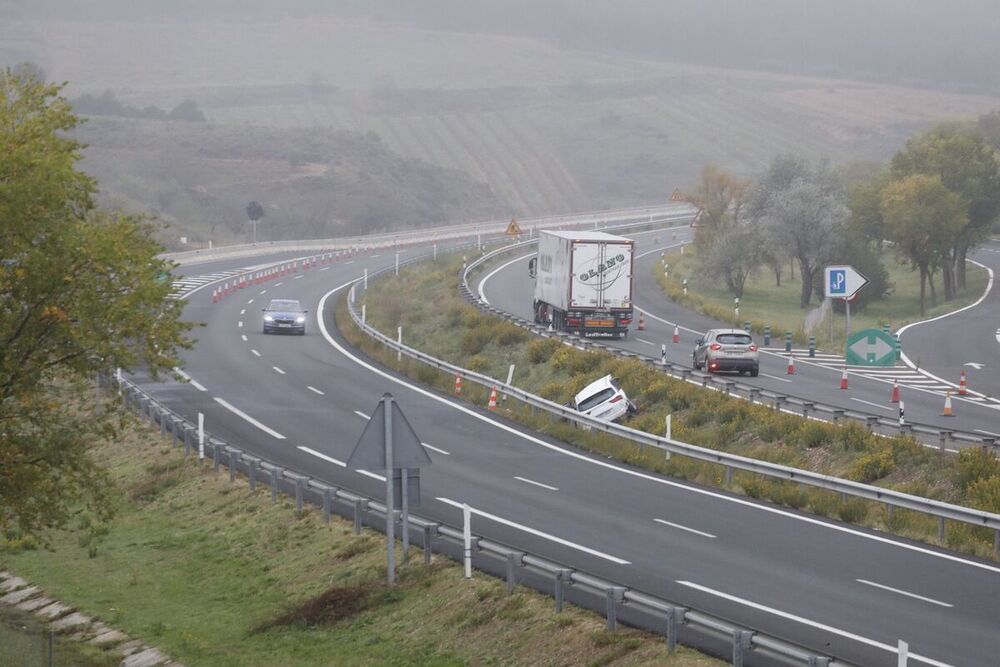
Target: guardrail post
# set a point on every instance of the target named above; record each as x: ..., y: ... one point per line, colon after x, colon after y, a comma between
x: 563, y: 578
x: 779, y: 402
x: 252, y: 474
x: 429, y: 530
x: 806, y: 407
x: 233, y: 456
x: 989, y: 443
x: 741, y: 644
x: 615, y: 596
x: 838, y: 414
x: 173, y: 430
x: 870, y: 422
x: 298, y: 493
x: 943, y: 437
x: 729, y: 475
x: 996, y: 543
x: 327, y: 503
x: 515, y: 559
x: 187, y: 441
x: 753, y: 393
x: 941, y: 528
x: 675, y: 615
x: 215, y: 455
x: 275, y: 475
x: 360, y: 505
x: 163, y: 423
x: 819, y: 661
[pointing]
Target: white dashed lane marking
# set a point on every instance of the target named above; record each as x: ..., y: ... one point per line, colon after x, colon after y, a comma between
x: 315, y: 390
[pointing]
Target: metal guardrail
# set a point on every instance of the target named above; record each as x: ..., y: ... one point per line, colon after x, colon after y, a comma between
x: 941, y: 510
x: 431, y: 234
x: 676, y: 622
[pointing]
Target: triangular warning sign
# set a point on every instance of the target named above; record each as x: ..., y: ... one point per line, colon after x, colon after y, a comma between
x: 677, y: 195
x: 513, y: 229
x: 369, y: 453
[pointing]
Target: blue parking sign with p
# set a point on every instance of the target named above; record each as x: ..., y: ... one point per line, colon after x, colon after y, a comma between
x: 838, y: 282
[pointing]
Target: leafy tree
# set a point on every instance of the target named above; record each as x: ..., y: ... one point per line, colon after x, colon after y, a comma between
x: 802, y: 211
x: 720, y: 196
x: 79, y: 295
x: 923, y: 217
x: 733, y: 257
x: 989, y: 128
x: 967, y: 166
x: 187, y: 110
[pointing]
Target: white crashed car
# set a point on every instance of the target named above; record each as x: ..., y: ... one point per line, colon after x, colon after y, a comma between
x: 603, y: 399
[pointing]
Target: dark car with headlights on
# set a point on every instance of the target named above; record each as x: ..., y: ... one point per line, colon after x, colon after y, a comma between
x: 285, y: 316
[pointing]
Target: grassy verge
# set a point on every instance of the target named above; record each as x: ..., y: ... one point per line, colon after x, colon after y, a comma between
x: 764, y: 304
x: 215, y: 575
x: 423, y: 300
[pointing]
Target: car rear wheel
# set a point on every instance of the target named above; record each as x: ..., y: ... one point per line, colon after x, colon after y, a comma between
x: 755, y: 372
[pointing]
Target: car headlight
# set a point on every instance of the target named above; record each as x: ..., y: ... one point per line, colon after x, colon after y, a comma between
x: 268, y: 318
x: 300, y: 319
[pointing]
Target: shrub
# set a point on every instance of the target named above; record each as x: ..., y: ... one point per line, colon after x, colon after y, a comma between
x: 975, y: 464
x: 854, y: 437
x: 511, y: 335
x: 475, y: 341
x: 562, y: 359
x: 540, y: 350
x: 853, y: 511
x: 985, y: 493
x: 479, y: 363
x: 872, y: 466
x: 553, y: 391
x: 815, y: 434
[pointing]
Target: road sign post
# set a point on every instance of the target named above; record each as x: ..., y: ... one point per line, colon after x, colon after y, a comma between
x: 843, y: 282
x: 389, y: 443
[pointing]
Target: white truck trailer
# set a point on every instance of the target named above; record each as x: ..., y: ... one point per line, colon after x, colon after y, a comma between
x: 583, y: 282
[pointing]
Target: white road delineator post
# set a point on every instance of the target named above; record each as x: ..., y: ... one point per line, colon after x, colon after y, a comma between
x: 668, y: 434
x: 201, y: 436
x: 399, y: 340
x: 467, y: 536
x: 510, y: 378
x: 364, y: 313
x: 903, y: 650
x: 366, y: 277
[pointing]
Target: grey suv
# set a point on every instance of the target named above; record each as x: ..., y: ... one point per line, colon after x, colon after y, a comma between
x: 285, y: 316
x: 727, y: 350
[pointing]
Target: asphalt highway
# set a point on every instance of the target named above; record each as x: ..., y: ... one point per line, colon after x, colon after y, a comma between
x: 851, y: 593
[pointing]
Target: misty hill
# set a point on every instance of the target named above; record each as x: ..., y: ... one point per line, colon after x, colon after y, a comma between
x: 198, y: 178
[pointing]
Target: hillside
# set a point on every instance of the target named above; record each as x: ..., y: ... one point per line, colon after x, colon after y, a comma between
x: 198, y: 178
x: 547, y: 127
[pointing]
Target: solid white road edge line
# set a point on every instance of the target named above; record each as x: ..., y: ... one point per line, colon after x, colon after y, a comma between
x: 810, y: 623
x: 633, y: 473
x: 529, y: 481
x: 239, y: 413
x: 775, y: 377
x: 680, y: 527
x: 320, y: 455
x: 361, y: 414
x: 435, y: 449
x: 986, y: 292
x: 647, y: 342
x: 194, y: 383
x: 538, y: 533
x: 902, y: 592
x: 482, y: 283
x: 315, y: 390
x: 371, y: 474
x: 874, y: 405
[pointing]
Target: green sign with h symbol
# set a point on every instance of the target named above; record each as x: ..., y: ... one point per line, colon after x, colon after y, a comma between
x: 871, y: 347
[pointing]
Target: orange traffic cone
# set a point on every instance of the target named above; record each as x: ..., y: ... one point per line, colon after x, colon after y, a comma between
x: 843, y: 379
x: 963, y: 387
x: 791, y: 364
x: 677, y: 334
x: 947, y: 406
x: 894, y: 398
x: 493, y: 399
x: 215, y: 295
x: 458, y: 385
x: 642, y: 321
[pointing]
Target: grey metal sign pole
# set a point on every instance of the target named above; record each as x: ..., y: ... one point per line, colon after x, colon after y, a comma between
x: 390, y: 522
